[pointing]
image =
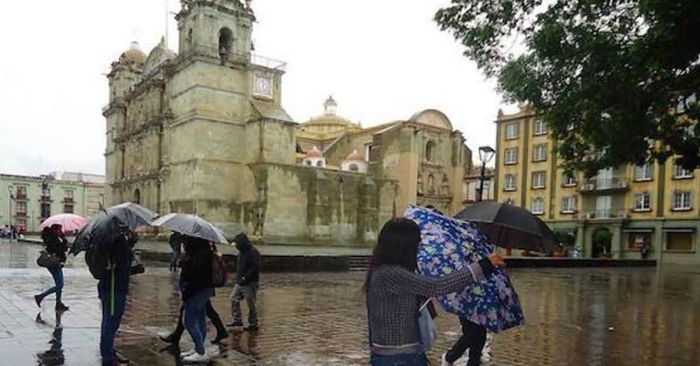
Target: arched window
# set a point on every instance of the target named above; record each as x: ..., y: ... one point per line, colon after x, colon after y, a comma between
x: 319, y: 163
x: 430, y: 151
x: 308, y: 163
x: 190, y: 36
x: 137, y: 196
x: 431, y: 183
x: 225, y: 42
x: 354, y: 168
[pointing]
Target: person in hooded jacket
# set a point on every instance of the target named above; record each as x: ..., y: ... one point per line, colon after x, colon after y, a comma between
x: 56, y: 244
x: 247, y: 283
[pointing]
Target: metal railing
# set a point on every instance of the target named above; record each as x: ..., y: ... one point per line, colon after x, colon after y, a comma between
x: 235, y: 57
x: 596, y: 184
x: 604, y: 213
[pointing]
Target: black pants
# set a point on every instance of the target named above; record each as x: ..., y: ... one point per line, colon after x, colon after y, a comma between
x: 473, y: 337
x: 211, y: 314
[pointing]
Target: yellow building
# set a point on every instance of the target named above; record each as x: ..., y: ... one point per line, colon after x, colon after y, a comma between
x: 612, y: 214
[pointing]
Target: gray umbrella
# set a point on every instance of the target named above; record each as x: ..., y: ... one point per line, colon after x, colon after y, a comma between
x: 191, y: 225
x: 132, y: 215
x: 510, y: 226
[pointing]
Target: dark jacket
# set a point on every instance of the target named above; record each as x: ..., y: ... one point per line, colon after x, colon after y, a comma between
x: 56, y: 245
x: 196, y: 269
x: 248, y: 266
x: 120, y: 255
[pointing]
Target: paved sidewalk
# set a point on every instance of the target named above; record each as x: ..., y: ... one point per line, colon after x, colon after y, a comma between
x: 610, y: 316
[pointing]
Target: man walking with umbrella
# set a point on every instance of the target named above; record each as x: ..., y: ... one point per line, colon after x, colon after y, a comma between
x: 112, y: 289
x: 247, y: 283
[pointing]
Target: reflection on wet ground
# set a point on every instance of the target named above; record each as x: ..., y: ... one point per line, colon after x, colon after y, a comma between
x: 574, y: 317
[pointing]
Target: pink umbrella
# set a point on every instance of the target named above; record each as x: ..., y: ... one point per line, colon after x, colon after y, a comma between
x: 69, y: 222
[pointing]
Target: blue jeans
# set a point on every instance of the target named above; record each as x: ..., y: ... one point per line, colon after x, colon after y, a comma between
x: 195, y: 318
x: 110, y: 321
x: 57, y: 273
x: 413, y: 359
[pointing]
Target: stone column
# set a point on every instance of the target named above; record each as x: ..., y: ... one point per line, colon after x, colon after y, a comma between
x: 616, y: 241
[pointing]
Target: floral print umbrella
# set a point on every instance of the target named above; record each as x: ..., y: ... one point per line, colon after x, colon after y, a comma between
x: 448, y: 245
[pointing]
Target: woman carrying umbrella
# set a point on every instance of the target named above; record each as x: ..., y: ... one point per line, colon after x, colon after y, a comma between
x: 57, y: 245
x: 197, y: 288
x: 395, y: 291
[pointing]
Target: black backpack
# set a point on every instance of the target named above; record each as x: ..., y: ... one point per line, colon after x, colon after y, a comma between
x: 97, y: 260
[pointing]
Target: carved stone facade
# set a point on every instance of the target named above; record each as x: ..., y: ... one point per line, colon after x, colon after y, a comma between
x: 203, y: 131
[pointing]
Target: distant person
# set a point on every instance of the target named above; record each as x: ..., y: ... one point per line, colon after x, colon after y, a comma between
x: 56, y: 245
x: 113, y: 288
x: 395, y: 291
x: 176, y: 247
x: 644, y: 250
x: 13, y: 232
x: 247, y: 283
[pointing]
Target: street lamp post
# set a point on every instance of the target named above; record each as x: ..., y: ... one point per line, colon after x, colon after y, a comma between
x: 10, y: 189
x: 486, y: 153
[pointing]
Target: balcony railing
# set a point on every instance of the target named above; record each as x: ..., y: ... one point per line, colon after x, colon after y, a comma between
x: 68, y: 200
x: 21, y: 214
x: 21, y: 196
x: 604, y: 214
x: 45, y: 198
x: 609, y: 184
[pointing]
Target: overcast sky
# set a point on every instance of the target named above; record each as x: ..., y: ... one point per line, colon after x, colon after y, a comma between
x: 381, y: 60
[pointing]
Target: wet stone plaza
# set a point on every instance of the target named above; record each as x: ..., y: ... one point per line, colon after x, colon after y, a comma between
x: 597, y: 316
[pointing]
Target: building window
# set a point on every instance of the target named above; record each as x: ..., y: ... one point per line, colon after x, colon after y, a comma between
x: 682, y: 173
x: 643, y: 172
x: 308, y: 163
x: 509, y: 182
x: 540, y: 127
x: 642, y: 202
x: 512, y: 131
x: 511, y: 156
x: 638, y: 240
x: 137, y: 196
x: 21, y: 192
x: 353, y: 167
x: 225, y: 42
x: 538, y: 206
x: 21, y: 208
x: 539, y: 153
x: 538, y: 180
x: 679, y: 241
x: 430, y: 151
x: 68, y: 193
x: 46, y: 192
x: 568, y: 179
x: 68, y: 209
x: 45, y: 210
x: 319, y: 163
x: 568, y: 205
x: 682, y: 201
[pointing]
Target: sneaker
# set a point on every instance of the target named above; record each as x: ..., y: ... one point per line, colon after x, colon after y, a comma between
x: 444, y: 360
x: 188, y: 353
x: 251, y: 328
x: 235, y: 325
x: 213, y: 351
x: 196, y: 358
x: 37, y: 300
x: 61, y: 307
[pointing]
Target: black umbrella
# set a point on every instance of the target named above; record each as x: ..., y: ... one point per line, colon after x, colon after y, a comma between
x: 111, y: 222
x: 510, y: 226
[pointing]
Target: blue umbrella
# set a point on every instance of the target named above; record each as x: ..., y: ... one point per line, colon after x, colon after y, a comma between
x: 448, y: 245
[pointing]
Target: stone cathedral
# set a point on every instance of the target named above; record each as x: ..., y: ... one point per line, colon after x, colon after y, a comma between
x: 203, y: 131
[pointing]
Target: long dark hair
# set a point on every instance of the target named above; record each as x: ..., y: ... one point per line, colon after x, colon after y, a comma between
x: 397, y: 245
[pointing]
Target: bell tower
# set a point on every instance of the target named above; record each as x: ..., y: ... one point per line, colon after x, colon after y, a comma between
x: 216, y: 28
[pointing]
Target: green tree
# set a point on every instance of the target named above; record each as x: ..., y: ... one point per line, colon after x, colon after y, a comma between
x: 616, y: 81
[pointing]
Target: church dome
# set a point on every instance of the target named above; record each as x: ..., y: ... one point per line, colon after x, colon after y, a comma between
x: 133, y: 54
x: 314, y: 153
x: 354, y: 156
x: 329, y: 122
x: 158, y: 56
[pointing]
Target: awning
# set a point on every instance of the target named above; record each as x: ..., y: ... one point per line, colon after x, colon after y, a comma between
x: 679, y: 229
x: 638, y: 230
